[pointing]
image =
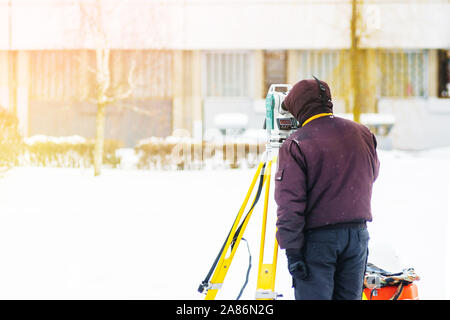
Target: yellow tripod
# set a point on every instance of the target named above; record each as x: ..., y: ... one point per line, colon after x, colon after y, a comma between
x: 266, y: 272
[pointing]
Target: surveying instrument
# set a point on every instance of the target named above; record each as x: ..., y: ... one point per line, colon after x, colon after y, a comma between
x: 279, y: 124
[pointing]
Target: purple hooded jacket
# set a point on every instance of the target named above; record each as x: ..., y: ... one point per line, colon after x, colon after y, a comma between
x: 326, y: 169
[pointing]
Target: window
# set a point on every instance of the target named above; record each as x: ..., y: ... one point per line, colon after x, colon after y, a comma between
x: 402, y: 73
x: 61, y: 75
x: 227, y: 74
x: 70, y: 75
x: 444, y: 74
x: 330, y: 66
x: 150, y: 73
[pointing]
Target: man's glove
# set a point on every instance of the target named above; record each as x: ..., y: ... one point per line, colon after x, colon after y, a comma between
x: 296, y: 264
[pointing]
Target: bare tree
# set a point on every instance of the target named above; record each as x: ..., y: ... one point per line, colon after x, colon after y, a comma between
x: 96, y: 16
x: 93, y: 16
x: 356, y: 65
x: 355, y: 60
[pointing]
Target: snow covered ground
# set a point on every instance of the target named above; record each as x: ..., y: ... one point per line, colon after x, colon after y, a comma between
x: 133, y: 234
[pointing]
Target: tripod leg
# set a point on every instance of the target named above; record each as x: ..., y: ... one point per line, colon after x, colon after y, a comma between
x: 265, y: 288
x: 225, y: 262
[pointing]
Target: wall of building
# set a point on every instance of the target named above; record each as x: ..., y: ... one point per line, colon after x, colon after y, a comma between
x: 306, y: 31
x: 4, y: 79
x: 187, y: 97
x: 420, y: 123
x: 223, y: 24
x: 178, y: 82
x: 54, y: 93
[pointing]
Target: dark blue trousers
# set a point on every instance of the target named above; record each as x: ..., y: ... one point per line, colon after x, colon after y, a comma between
x: 336, y: 260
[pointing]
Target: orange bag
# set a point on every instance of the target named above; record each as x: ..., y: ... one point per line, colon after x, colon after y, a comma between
x: 382, y: 285
x: 400, y: 292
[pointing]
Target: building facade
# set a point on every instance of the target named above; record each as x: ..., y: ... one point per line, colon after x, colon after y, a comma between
x: 207, y: 64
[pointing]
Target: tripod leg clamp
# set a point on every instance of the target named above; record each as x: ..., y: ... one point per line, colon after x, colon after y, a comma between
x: 266, y: 295
x: 214, y: 286
x: 205, y: 286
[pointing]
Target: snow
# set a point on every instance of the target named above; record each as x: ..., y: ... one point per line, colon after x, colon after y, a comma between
x: 231, y: 120
x: 377, y: 118
x: 371, y: 118
x: 75, y: 139
x: 136, y: 234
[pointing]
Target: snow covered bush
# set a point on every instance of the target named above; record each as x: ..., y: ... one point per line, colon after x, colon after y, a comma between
x: 68, y: 152
x: 11, y: 144
x: 185, y: 153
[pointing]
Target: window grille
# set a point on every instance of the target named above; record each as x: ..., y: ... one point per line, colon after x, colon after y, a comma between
x: 150, y: 72
x: 330, y: 66
x: 59, y: 75
x: 70, y: 75
x: 402, y: 73
x: 227, y: 74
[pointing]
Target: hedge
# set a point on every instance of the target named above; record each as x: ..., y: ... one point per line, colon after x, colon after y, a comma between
x: 68, y: 152
x: 170, y: 153
x: 184, y: 153
x: 11, y: 143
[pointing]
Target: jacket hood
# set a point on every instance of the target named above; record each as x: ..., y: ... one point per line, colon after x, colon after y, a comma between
x: 303, y: 101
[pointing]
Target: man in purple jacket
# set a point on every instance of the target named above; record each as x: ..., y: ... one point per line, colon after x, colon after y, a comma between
x: 323, y: 189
